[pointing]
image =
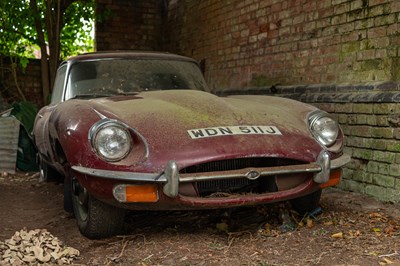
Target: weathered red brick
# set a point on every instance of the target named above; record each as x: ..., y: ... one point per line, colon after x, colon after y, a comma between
x: 377, y: 32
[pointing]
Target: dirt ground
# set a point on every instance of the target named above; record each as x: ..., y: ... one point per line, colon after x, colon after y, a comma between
x: 351, y: 230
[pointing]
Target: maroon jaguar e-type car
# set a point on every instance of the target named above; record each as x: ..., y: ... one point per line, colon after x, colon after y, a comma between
x: 141, y: 131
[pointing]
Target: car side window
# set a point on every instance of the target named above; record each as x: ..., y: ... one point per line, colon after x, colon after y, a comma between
x: 59, y: 85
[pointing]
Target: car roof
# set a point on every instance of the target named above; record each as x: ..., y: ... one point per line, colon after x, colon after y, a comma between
x: 129, y: 55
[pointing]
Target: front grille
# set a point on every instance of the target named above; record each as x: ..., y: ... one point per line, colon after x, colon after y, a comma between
x: 234, y: 164
x: 238, y: 185
x: 224, y: 186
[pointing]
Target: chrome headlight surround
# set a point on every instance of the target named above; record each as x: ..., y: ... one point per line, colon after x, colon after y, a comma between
x: 324, y: 128
x: 111, y: 140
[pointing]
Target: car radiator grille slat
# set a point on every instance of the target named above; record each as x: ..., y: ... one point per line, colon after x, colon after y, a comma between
x: 223, y: 186
x: 236, y: 185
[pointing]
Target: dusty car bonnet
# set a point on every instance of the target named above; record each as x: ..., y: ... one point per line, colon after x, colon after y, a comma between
x: 165, y: 117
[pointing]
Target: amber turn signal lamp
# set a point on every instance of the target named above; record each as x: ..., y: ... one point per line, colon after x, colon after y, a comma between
x: 334, y: 179
x: 136, y: 193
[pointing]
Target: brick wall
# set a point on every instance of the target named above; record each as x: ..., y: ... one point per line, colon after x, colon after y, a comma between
x: 29, y: 80
x: 374, y: 143
x: 263, y: 42
x: 129, y: 25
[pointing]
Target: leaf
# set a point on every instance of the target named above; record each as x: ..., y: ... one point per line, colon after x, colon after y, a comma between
x: 338, y: 235
x: 223, y: 227
x: 29, y: 258
x: 354, y: 233
x: 374, y: 253
x: 390, y: 230
x: 310, y: 223
x: 375, y: 215
x: 386, y: 261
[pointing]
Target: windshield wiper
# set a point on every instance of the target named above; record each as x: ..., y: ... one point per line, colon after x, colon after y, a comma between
x: 91, y: 95
x: 100, y: 95
x: 127, y: 93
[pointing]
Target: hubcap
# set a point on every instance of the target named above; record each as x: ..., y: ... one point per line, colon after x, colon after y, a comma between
x: 42, y: 168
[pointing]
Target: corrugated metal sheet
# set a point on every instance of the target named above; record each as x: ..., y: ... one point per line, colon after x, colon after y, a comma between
x: 9, y: 132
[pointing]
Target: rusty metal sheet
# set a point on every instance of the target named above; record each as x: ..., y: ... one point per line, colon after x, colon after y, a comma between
x: 9, y: 132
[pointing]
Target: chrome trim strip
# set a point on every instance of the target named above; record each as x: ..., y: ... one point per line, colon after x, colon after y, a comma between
x: 324, y: 161
x: 242, y: 173
x: 171, y: 188
x: 120, y: 175
x: 99, y: 114
x: 162, y: 177
x: 340, y: 162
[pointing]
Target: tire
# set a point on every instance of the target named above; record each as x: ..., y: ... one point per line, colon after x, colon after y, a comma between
x: 95, y: 219
x: 307, y: 203
x: 68, y: 206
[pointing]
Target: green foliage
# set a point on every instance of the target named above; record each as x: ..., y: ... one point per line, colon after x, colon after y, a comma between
x: 76, y: 34
x: 18, y: 35
x: 17, y: 32
x: 56, y: 28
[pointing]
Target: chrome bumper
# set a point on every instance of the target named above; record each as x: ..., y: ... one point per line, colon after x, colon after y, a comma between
x: 172, y: 178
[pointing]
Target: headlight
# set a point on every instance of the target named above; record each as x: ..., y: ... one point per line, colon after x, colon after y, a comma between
x: 324, y: 128
x: 111, y: 140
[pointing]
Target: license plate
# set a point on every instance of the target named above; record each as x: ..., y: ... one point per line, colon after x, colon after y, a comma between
x: 199, y: 133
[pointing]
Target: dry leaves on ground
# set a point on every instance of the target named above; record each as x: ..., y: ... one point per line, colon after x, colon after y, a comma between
x: 35, y: 247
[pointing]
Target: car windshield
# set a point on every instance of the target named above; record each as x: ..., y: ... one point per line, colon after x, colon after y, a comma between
x: 122, y: 77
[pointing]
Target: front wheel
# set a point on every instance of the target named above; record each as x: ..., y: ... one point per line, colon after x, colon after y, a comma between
x: 95, y: 218
x: 306, y: 203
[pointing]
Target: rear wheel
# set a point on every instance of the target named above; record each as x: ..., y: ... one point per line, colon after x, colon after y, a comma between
x: 95, y: 218
x: 307, y: 203
x: 47, y: 173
